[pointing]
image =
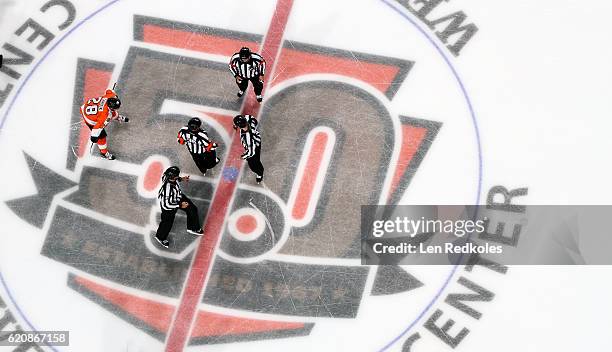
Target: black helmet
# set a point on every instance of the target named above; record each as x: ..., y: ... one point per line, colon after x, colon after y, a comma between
x: 194, y: 124
x: 240, y: 121
x: 114, y: 103
x: 172, y: 171
x: 245, y: 53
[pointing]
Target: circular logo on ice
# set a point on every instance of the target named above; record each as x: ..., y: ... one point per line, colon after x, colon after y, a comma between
x: 352, y: 115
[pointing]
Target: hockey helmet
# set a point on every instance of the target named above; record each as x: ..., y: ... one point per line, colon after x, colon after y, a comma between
x: 194, y: 124
x: 245, y: 53
x: 240, y: 121
x: 171, y: 172
x: 114, y: 103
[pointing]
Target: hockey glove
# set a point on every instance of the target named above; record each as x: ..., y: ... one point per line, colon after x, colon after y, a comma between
x: 211, y: 147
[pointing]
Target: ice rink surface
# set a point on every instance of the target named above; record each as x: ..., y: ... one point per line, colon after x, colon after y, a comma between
x: 365, y: 102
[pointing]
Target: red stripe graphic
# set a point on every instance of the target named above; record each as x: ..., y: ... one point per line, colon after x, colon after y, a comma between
x: 178, y: 38
x: 158, y: 315
x: 296, y: 63
x: 311, y: 171
x: 204, y: 255
x: 210, y: 324
x: 154, y: 314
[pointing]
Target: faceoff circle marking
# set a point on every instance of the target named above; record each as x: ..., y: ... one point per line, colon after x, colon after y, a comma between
x: 246, y: 224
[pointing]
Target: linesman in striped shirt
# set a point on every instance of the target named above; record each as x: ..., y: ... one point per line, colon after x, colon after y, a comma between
x: 201, y: 148
x: 171, y: 199
x: 251, y: 141
x: 247, y: 66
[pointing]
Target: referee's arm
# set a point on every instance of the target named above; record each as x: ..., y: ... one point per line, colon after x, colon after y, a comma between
x: 206, y: 142
x: 262, y: 66
x: 232, y: 65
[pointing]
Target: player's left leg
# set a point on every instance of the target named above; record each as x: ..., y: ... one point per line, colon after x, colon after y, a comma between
x: 200, y: 161
x: 193, y: 219
x: 104, y: 147
x: 167, y: 219
x: 210, y: 159
x: 257, y: 87
x: 256, y: 166
x: 242, y: 86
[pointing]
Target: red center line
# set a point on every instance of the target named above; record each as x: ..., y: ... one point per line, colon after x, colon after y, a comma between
x: 200, y: 269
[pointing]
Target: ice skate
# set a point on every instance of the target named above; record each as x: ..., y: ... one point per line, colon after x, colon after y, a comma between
x: 107, y: 155
x: 164, y: 243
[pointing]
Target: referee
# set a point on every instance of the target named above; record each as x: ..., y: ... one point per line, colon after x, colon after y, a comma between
x: 200, y: 147
x: 171, y: 199
x: 247, y: 66
x: 251, y: 141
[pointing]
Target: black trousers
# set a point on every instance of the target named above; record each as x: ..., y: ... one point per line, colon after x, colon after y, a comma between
x: 255, y: 163
x: 257, y: 85
x: 205, y: 161
x: 167, y: 219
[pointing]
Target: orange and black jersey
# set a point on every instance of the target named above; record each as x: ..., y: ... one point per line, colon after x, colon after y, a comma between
x: 96, y: 113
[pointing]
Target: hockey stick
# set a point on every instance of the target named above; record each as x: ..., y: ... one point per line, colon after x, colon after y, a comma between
x: 266, y: 220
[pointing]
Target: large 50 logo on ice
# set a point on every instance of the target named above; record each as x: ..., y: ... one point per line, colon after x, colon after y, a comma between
x: 330, y: 144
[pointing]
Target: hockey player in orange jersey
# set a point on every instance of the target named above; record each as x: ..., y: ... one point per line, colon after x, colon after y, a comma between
x: 97, y: 113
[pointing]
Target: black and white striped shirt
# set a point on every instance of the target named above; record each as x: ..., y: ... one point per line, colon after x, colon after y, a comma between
x: 256, y: 66
x: 250, y: 138
x: 196, y: 142
x: 170, y: 195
